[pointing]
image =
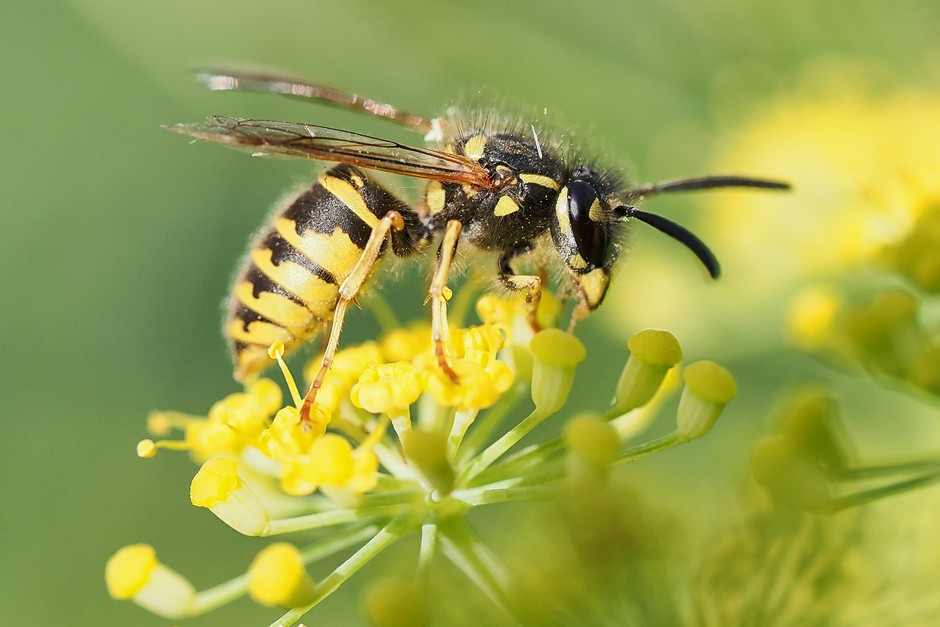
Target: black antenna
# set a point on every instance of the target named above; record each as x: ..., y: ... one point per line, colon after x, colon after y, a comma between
x: 705, y: 182
x: 678, y: 233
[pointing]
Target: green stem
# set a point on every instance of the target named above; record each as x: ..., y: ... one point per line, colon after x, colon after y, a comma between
x: 347, y: 569
x: 219, y: 595
x: 496, y: 450
x: 881, y: 470
x: 489, y: 495
x: 867, y: 496
x: 648, y: 448
x: 226, y: 592
x: 534, y: 455
x: 465, y: 549
x: 462, y: 421
x: 332, y: 518
x: 426, y: 552
x: 485, y: 426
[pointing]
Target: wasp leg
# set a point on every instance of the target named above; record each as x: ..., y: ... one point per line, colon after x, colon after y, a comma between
x: 529, y: 283
x: 392, y: 221
x: 440, y: 334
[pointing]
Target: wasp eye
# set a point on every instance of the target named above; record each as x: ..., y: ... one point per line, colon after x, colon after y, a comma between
x: 590, y: 233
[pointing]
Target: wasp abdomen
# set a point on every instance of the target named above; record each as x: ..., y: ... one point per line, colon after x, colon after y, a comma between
x: 288, y: 287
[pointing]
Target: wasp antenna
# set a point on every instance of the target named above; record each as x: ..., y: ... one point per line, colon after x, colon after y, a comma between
x: 706, y: 182
x: 678, y: 233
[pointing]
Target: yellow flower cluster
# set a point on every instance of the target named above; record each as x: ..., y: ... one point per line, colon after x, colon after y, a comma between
x: 256, y: 454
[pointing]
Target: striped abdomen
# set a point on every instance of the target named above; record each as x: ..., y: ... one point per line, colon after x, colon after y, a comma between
x: 288, y: 287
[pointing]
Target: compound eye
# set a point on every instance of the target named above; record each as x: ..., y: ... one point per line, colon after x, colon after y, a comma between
x: 590, y: 235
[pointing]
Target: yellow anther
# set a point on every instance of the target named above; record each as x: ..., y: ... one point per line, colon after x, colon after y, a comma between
x: 146, y: 448
x: 276, y: 351
x: 387, y: 388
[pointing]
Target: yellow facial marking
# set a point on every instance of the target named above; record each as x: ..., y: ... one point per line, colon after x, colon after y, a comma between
x: 258, y: 332
x: 538, y: 179
x: 335, y: 253
x: 594, y: 286
x: 505, y: 206
x: 577, y: 262
x: 435, y: 197
x: 474, y: 146
x: 349, y: 196
x: 357, y: 180
x: 319, y: 296
x: 276, y: 308
x: 596, y: 212
x: 561, y: 211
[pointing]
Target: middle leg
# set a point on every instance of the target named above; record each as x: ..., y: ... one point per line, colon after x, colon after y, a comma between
x: 530, y: 284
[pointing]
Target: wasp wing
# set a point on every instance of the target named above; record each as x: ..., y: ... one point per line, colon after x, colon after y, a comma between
x: 309, y: 141
x: 234, y: 78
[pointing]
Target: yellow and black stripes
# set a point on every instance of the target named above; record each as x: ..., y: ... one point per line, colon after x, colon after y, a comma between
x: 288, y: 287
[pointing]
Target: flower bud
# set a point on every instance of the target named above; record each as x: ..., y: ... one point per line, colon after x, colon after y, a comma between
x: 556, y: 355
x: 708, y: 388
x: 793, y: 479
x: 134, y: 573
x: 652, y: 354
x: 277, y: 576
x: 218, y: 487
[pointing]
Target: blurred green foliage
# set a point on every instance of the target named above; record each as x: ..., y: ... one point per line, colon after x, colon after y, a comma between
x: 119, y: 238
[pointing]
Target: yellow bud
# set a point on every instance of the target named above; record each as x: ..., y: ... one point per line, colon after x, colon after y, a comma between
x: 652, y: 354
x: 791, y: 478
x: 146, y: 448
x: 554, y: 347
x: 556, y: 354
x: 810, y: 422
x: 218, y: 487
x: 708, y: 388
x: 277, y: 576
x: 135, y: 573
x: 593, y: 440
x: 128, y: 570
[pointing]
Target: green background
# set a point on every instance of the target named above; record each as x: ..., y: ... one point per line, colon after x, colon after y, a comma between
x: 118, y: 239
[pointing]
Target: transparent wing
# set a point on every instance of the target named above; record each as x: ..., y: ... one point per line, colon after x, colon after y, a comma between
x: 233, y: 78
x: 309, y: 141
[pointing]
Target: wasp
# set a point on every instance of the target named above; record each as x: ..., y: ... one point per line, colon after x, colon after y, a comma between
x: 493, y: 183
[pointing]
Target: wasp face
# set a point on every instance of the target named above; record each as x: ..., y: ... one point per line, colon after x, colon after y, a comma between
x: 583, y: 228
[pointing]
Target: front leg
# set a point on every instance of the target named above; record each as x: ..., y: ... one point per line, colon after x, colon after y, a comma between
x: 529, y: 283
x: 440, y: 334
